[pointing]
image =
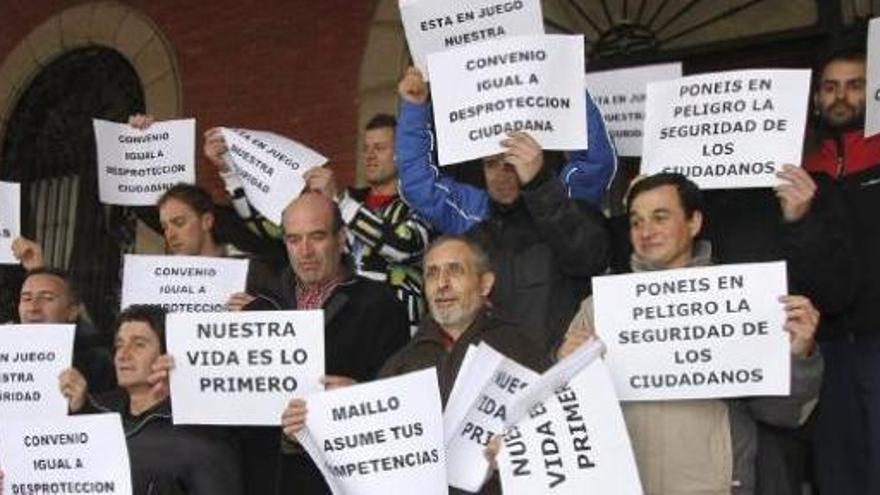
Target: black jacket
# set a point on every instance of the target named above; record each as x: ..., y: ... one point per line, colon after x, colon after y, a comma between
x: 173, y: 460
x: 544, y: 249
x: 363, y: 325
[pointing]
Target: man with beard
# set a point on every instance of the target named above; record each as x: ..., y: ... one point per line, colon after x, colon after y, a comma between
x: 847, y: 434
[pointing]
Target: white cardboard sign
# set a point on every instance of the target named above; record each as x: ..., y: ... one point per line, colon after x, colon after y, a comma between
x: 434, y: 26
x: 270, y: 167
x: 136, y: 166
x: 486, y: 384
x: 10, y: 220
x: 31, y: 358
x: 76, y: 454
x: 727, y: 130
x: 872, y: 92
x: 575, y: 442
x: 380, y: 437
x: 532, y: 84
x: 620, y: 95
x: 695, y: 333
x: 241, y: 368
x: 187, y: 284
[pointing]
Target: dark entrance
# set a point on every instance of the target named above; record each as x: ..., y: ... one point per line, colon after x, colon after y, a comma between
x: 50, y: 149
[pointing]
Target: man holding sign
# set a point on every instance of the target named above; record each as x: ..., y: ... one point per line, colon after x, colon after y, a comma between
x: 670, y: 437
x: 162, y: 455
x: 847, y: 434
x: 543, y: 245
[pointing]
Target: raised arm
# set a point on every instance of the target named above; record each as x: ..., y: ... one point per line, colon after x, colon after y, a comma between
x: 589, y: 172
x: 449, y: 206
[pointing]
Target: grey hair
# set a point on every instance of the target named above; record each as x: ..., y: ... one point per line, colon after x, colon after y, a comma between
x: 481, y: 258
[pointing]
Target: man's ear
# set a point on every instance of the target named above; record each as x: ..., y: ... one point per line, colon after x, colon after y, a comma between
x: 695, y: 223
x: 207, y: 221
x: 487, y: 281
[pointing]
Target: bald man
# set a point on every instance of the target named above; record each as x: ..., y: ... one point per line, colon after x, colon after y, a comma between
x: 364, y: 323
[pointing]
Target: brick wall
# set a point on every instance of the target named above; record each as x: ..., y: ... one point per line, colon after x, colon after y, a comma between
x: 290, y: 66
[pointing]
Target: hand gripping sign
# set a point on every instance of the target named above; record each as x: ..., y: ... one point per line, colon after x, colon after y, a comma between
x: 380, y: 437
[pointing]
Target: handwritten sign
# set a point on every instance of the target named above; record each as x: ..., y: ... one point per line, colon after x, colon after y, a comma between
x: 242, y: 368
x: 76, y: 454
x: 620, y: 95
x: 872, y: 96
x: 136, y: 166
x: 532, y: 84
x: 188, y: 284
x: 10, y: 219
x: 380, y: 437
x: 695, y: 333
x: 31, y: 358
x: 727, y: 129
x: 574, y: 442
x: 270, y: 167
x: 433, y: 26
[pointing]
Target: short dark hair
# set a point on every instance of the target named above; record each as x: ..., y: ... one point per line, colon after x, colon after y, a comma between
x: 689, y: 194
x: 848, y: 53
x: 381, y: 121
x: 481, y: 257
x: 152, y: 315
x: 72, y: 289
x: 193, y: 196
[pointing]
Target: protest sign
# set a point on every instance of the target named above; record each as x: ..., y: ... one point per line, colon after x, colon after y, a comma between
x: 270, y: 168
x: 433, y: 26
x: 31, y: 358
x: 381, y: 437
x: 10, y: 219
x: 620, y: 95
x: 136, y: 166
x: 727, y: 129
x: 76, y: 454
x: 872, y: 93
x: 480, y: 412
x: 188, y: 284
x: 532, y: 84
x: 695, y: 333
x: 558, y: 375
x: 575, y: 442
x: 242, y: 368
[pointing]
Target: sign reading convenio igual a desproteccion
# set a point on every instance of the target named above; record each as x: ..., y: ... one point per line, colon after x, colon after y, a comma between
x: 242, y: 368
x: 433, y: 26
x: 727, y: 129
x: 73, y: 454
x: 136, y: 166
x: 532, y: 84
x: 188, y: 284
x: 695, y: 333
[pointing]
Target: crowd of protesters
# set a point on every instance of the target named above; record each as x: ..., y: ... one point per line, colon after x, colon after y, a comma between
x: 413, y: 269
